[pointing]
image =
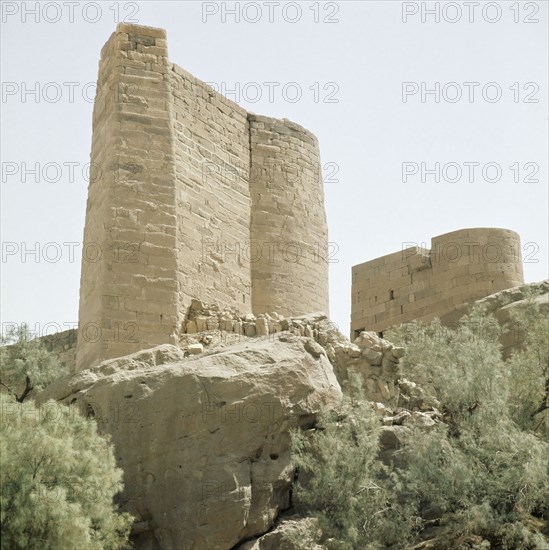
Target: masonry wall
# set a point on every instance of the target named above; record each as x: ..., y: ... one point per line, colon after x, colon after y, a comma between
x: 421, y: 284
x: 129, y: 291
x: 288, y: 226
x: 63, y: 346
x: 178, y: 214
x: 213, y: 197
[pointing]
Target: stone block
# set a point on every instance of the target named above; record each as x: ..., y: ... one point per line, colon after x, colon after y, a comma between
x: 195, y: 349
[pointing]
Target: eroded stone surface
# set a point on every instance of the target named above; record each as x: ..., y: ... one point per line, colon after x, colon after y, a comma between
x: 288, y: 534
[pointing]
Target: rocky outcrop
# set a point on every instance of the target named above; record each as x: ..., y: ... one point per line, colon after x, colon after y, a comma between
x: 293, y: 533
x: 204, y: 440
x: 375, y: 360
x: 501, y: 304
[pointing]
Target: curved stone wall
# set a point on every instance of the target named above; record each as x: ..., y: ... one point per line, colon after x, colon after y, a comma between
x: 420, y: 284
x: 289, y: 234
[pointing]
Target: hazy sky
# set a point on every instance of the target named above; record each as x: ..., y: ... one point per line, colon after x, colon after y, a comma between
x: 336, y: 68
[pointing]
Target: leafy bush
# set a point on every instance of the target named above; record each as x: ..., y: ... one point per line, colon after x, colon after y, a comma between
x: 59, y: 478
x: 343, y: 484
x: 26, y: 365
x: 59, y: 475
x: 529, y: 369
x: 480, y: 477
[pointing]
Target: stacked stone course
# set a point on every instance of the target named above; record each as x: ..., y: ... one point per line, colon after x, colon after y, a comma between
x: 198, y: 199
x: 421, y: 284
x: 288, y: 213
x: 204, y: 318
x: 374, y: 359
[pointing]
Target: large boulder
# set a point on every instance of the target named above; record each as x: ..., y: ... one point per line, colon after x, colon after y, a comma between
x: 204, y: 440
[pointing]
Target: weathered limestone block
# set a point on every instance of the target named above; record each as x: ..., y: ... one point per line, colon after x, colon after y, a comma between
x: 195, y: 349
x: 414, y: 398
x: 249, y: 329
x: 261, y: 326
x: 392, y: 439
x: 376, y: 361
x: 372, y: 356
x: 201, y: 323
x: 204, y: 441
x: 226, y: 325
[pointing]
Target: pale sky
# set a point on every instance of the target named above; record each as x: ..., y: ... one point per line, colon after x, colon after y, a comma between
x: 486, y: 64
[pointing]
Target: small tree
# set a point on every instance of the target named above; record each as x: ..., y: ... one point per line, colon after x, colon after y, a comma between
x: 529, y: 368
x: 461, y: 366
x: 484, y: 474
x: 480, y: 477
x: 25, y: 364
x: 343, y: 483
x: 59, y: 477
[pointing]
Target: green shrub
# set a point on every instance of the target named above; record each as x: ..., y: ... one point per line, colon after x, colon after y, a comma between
x: 482, y: 473
x: 25, y: 364
x: 344, y: 485
x: 59, y: 478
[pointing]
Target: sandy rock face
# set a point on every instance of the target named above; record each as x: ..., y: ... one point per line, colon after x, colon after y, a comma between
x: 204, y: 440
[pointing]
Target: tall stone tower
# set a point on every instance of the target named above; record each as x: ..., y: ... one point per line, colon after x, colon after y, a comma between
x: 192, y: 198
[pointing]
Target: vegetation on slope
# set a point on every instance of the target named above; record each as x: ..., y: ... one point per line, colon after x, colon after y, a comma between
x: 477, y: 479
x: 59, y: 475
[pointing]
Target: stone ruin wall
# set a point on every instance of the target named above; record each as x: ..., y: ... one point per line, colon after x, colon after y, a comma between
x: 288, y: 221
x: 212, y: 153
x: 421, y: 284
x: 63, y: 346
x: 196, y: 199
x: 128, y: 289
